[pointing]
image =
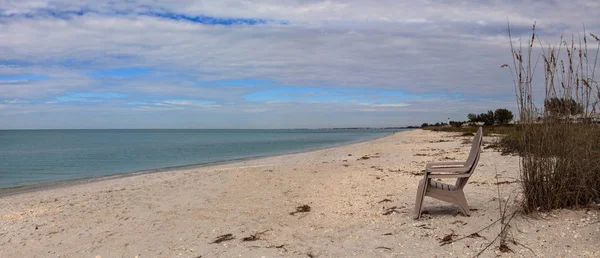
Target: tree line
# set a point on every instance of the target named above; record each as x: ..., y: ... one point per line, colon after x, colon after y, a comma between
x: 556, y: 107
x: 500, y: 116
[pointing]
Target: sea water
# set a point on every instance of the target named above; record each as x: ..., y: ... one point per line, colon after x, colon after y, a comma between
x: 31, y: 157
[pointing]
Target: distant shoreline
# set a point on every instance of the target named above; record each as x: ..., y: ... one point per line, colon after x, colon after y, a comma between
x: 4, y: 192
x: 232, y: 129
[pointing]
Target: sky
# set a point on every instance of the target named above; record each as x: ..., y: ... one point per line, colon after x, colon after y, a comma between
x: 265, y: 64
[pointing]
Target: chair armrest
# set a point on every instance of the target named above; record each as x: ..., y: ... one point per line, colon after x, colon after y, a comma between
x: 446, y: 171
x: 429, y: 175
x: 461, y: 169
x: 444, y: 164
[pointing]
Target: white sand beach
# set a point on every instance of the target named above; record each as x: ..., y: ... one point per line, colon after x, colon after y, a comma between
x: 361, y: 198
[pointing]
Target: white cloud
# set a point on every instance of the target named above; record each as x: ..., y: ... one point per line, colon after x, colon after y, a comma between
x: 293, y: 54
x: 187, y: 103
x: 16, y: 101
x: 255, y: 110
x: 431, y: 47
x: 384, y: 105
x: 524, y: 11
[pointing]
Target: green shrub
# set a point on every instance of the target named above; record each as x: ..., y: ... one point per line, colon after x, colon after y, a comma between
x: 510, y: 143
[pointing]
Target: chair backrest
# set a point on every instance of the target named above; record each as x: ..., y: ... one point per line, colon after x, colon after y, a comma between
x: 475, y: 148
x: 473, y: 158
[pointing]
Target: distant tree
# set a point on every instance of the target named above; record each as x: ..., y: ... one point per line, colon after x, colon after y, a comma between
x: 491, y: 118
x: 473, y: 118
x: 500, y: 116
x: 563, y: 106
x: 437, y: 124
x: 424, y: 125
x: 482, y: 117
x: 487, y: 118
x: 456, y: 123
x: 503, y: 116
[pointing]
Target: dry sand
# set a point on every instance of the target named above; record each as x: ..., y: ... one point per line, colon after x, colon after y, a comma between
x: 358, y: 207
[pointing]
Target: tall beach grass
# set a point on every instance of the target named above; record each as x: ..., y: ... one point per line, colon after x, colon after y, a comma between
x: 559, y: 145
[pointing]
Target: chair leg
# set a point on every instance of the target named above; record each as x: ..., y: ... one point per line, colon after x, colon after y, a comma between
x: 462, y: 203
x: 419, y: 200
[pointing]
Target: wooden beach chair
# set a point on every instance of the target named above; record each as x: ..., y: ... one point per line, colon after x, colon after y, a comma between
x: 446, y: 192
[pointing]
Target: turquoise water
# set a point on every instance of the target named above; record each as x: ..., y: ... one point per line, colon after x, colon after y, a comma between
x: 30, y: 157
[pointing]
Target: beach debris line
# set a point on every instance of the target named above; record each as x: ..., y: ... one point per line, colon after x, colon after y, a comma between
x: 424, y: 226
x: 505, y: 249
x: 369, y: 156
x: 300, y: 209
x: 506, y: 182
x: 418, y: 173
x: 278, y: 247
x: 384, y: 200
x: 462, y: 223
x: 223, y: 238
x: 378, y: 168
x: 282, y: 246
x: 391, y: 210
x: 439, y: 141
x: 254, y: 237
x: 472, y: 235
x: 394, y: 170
x: 475, y: 235
x: 447, y: 239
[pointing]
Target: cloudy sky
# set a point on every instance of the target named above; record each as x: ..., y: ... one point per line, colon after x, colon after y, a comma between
x: 264, y: 64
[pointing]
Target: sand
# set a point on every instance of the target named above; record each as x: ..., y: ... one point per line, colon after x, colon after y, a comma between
x: 361, y: 199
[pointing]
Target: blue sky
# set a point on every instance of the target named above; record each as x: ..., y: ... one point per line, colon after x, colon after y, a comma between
x: 120, y: 72
x: 22, y: 78
x: 264, y: 64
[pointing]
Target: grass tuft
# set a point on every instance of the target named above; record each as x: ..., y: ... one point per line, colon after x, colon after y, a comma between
x: 559, y: 148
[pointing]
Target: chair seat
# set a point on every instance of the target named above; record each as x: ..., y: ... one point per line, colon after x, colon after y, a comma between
x: 442, y: 186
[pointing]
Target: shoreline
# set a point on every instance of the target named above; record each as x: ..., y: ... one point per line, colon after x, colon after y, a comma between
x: 351, y: 200
x: 9, y: 191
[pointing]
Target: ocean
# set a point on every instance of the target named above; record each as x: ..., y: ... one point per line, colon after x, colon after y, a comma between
x: 33, y: 157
